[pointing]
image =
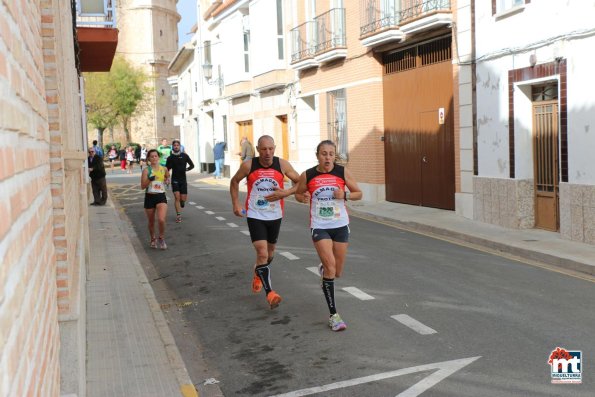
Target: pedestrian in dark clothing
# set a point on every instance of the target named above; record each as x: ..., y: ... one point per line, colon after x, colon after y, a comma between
x: 219, y: 154
x: 122, y: 158
x: 137, y: 154
x: 97, y: 174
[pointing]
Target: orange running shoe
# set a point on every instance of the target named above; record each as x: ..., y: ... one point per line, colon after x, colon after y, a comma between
x: 256, y: 284
x: 274, y: 299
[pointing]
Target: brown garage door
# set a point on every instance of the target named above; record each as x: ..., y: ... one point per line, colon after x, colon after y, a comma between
x: 418, y: 119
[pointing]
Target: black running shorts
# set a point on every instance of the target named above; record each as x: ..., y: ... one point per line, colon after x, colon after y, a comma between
x: 264, y: 230
x: 179, y: 186
x: 152, y: 199
x: 339, y: 234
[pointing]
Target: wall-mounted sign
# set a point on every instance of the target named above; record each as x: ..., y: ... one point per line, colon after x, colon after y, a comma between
x: 441, y: 116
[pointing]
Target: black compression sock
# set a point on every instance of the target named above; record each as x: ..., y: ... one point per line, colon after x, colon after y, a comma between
x: 264, y: 274
x: 270, y: 260
x: 328, y: 289
x: 182, y: 203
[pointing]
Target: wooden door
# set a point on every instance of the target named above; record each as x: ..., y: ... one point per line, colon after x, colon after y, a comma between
x: 284, y: 137
x: 419, y: 151
x: 245, y: 130
x: 545, y: 165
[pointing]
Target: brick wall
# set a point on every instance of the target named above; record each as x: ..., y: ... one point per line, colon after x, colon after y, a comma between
x: 42, y: 201
x: 29, y: 337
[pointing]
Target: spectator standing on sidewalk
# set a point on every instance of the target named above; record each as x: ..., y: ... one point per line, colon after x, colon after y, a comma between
x: 154, y: 179
x: 98, y: 150
x: 130, y: 158
x: 263, y: 208
x: 327, y: 187
x: 97, y: 175
x: 219, y: 153
x: 179, y: 162
x: 246, y: 149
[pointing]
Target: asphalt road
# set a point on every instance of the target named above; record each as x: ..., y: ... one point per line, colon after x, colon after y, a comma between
x: 424, y: 316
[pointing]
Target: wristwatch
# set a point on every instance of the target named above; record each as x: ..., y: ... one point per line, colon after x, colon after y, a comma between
x: 346, y: 196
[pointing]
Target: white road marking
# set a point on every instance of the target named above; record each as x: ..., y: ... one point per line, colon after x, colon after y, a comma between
x: 289, y: 256
x: 191, y: 203
x: 246, y: 232
x: 445, y: 369
x: 414, y: 324
x: 358, y: 293
x: 232, y: 225
x: 314, y: 269
x: 200, y: 207
x: 209, y: 212
x: 220, y: 218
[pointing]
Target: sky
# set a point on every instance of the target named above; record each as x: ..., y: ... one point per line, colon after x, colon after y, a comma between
x: 187, y: 9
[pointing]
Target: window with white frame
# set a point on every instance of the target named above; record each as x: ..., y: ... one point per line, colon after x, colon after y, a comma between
x: 337, y: 121
x: 499, y: 6
x: 280, y: 47
x: 246, y: 51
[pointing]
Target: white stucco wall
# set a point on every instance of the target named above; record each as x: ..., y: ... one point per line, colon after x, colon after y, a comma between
x: 501, y: 47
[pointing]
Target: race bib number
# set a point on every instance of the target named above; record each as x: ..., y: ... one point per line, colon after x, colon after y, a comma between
x: 327, y: 210
x: 262, y: 204
x: 156, y: 187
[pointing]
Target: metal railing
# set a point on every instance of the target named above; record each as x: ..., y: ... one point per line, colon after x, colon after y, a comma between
x: 303, y: 41
x: 378, y: 15
x: 330, y: 30
x: 96, y: 13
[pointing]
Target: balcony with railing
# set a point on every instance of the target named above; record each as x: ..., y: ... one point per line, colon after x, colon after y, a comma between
x: 330, y: 43
x: 302, y: 46
x: 97, y: 34
x: 384, y: 21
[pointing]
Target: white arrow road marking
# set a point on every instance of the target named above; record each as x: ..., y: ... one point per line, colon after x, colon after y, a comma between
x: 413, y: 324
x: 220, y: 218
x: 200, y: 207
x: 445, y: 369
x: 358, y: 293
x: 232, y: 225
x: 289, y: 256
x: 191, y: 203
x: 209, y: 212
x: 246, y: 232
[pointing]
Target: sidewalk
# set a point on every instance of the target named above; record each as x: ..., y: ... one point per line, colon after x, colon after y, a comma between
x: 130, y: 349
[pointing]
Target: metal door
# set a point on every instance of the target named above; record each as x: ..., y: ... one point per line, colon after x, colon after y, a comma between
x: 545, y: 164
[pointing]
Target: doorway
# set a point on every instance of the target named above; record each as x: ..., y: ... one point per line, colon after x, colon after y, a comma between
x: 546, y: 164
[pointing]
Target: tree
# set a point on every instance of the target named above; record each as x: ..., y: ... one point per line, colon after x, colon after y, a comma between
x: 114, y: 97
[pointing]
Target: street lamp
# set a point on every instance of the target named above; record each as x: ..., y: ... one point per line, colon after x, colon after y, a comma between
x: 207, y: 72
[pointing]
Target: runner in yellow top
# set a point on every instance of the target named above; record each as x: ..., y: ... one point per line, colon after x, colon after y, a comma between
x: 154, y: 180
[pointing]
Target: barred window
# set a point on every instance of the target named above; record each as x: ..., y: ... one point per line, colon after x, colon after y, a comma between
x: 337, y: 122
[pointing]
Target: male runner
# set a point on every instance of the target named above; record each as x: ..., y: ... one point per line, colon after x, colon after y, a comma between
x: 263, y: 208
x: 177, y: 162
x: 164, y: 151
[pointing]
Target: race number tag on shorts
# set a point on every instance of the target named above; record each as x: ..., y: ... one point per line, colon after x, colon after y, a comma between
x: 327, y: 210
x: 156, y: 187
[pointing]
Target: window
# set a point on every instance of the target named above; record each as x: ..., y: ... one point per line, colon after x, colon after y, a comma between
x: 499, y: 6
x: 224, y: 129
x: 337, y: 121
x: 207, y: 51
x: 247, y: 51
x: 280, y: 50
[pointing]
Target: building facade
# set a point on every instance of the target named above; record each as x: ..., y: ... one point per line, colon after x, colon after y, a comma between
x: 533, y: 138
x: 44, y: 245
x: 149, y: 41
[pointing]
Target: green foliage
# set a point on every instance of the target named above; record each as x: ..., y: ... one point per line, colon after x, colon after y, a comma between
x: 108, y: 146
x: 134, y: 145
x: 113, y: 97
